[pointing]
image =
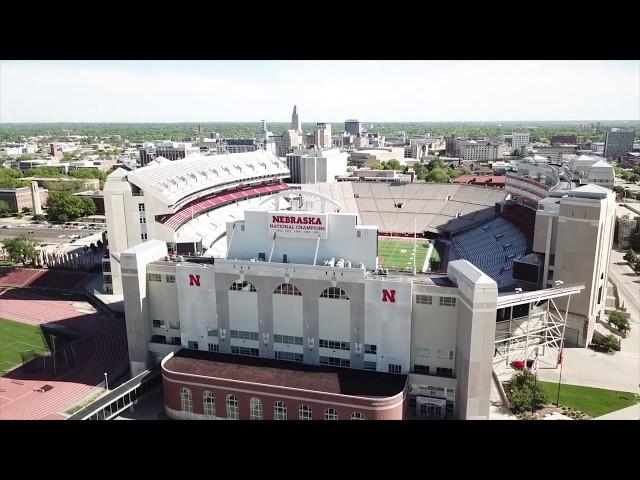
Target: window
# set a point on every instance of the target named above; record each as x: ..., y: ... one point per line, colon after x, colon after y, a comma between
x: 106, y: 267
x: 176, y: 340
x: 170, y: 278
x: 330, y: 414
x: 334, y: 292
x: 424, y: 299
x: 335, y: 362
x: 158, y: 323
x: 232, y: 407
x: 192, y: 344
x: 158, y: 339
x: 287, y: 289
x: 279, y: 411
x: 372, y: 349
x: 290, y: 356
x: 244, y: 335
x: 143, y: 236
x: 186, y: 401
x: 424, y: 369
x: 335, y: 344
x: 254, y: 352
x: 444, y: 372
x: 256, y: 409
x: 357, y: 416
x: 393, y: 368
x: 154, y: 277
x: 287, y: 339
x: 370, y: 366
x: 447, y: 301
x: 445, y: 354
x: 213, y: 347
x: 213, y: 332
x: 143, y: 220
x: 107, y: 278
x: 422, y: 352
x: 209, y: 402
x: 174, y: 325
x: 141, y: 207
x: 242, y: 287
x: 304, y: 412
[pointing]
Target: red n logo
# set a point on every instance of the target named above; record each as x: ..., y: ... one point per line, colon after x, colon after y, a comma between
x: 389, y: 296
x: 194, y: 280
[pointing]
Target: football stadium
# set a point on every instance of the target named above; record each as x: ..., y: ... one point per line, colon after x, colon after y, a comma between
x: 262, y: 299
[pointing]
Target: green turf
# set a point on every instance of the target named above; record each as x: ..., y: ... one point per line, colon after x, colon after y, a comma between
x: 391, y: 254
x: 16, y: 337
x: 595, y: 402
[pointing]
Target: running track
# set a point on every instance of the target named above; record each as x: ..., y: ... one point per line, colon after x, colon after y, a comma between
x: 102, y: 348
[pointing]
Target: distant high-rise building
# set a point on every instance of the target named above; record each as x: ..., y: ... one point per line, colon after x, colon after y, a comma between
x: 295, y: 120
x: 168, y: 150
x: 352, y: 127
x: 618, y: 142
x: 323, y: 135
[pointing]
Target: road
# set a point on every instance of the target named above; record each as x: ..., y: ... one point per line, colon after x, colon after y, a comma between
x: 44, y: 235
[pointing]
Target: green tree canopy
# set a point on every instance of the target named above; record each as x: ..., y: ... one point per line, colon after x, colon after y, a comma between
x: 21, y: 249
x: 10, y: 178
x: 438, y: 175
x: 392, y: 164
x: 47, y: 172
x: 88, y: 173
x: 63, y: 206
x: 5, y: 209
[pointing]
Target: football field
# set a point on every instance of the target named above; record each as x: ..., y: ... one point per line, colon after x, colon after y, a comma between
x: 397, y: 254
x: 16, y: 337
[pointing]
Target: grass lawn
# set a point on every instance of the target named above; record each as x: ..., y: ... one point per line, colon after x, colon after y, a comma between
x: 16, y: 337
x: 398, y: 254
x: 595, y: 402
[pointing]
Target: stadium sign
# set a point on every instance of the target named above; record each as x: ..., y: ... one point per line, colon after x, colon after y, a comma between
x: 294, y: 224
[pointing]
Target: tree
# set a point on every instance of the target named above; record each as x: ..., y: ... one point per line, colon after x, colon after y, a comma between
x: 89, y: 206
x: 5, y: 209
x: 39, y: 217
x: 620, y: 321
x: 10, y: 178
x: 47, y: 172
x: 630, y: 256
x: 392, y: 164
x: 377, y: 166
x: 21, y: 249
x: 437, y: 175
x: 634, y: 241
x: 89, y: 173
x: 526, y: 394
x: 63, y: 206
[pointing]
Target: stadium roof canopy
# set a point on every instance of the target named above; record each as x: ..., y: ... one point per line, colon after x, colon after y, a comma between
x: 172, y: 181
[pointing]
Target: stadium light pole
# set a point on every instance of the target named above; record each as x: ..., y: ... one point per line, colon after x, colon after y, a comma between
x: 106, y: 381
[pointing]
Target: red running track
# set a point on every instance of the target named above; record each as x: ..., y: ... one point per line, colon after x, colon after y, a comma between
x: 102, y: 348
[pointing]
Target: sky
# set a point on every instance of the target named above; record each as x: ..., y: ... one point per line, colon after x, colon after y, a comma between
x: 329, y: 91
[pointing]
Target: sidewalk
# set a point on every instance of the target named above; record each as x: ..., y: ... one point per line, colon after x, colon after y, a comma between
x: 629, y: 413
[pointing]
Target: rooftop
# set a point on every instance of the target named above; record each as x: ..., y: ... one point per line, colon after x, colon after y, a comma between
x: 342, y: 381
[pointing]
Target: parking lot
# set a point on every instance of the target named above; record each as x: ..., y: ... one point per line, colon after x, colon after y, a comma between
x: 49, y: 233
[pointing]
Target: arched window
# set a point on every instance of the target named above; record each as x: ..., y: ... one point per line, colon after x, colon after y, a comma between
x: 330, y: 414
x: 304, y: 412
x: 256, y: 409
x: 334, y: 292
x: 232, y: 407
x: 242, y: 287
x: 357, y: 416
x: 186, y: 401
x: 209, y: 402
x: 287, y: 289
x: 279, y: 411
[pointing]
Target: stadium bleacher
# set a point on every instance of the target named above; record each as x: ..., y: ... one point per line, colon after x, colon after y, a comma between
x: 492, y: 248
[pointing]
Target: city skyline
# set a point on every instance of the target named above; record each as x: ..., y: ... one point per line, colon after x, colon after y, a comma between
x: 330, y: 91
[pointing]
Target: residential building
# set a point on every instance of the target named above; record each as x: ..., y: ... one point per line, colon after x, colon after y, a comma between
x: 353, y: 127
x: 322, y: 138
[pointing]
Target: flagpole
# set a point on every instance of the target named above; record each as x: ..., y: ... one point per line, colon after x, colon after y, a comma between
x: 560, y: 378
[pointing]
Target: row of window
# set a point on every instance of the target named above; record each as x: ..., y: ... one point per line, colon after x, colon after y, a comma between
x: 156, y: 277
x: 254, y: 352
x: 280, y: 410
x: 440, y: 371
x: 335, y: 344
x: 163, y: 324
x: 289, y: 356
x: 426, y: 353
x: 335, y: 361
x: 244, y: 335
x: 288, y: 339
x: 443, y: 302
